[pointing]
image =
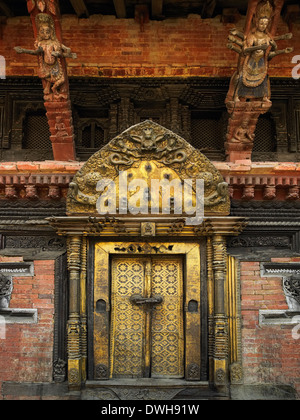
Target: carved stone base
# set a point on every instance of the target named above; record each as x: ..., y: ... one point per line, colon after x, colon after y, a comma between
x: 238, y: 151
x: 148, y: 389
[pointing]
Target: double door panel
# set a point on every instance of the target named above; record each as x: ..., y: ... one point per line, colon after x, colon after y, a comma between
x: 147, y: 328
x: 145, y: 319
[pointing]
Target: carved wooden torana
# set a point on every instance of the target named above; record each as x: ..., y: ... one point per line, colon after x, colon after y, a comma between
x: 52, y: 54
x: 149, y: 151
x: 249, y: 93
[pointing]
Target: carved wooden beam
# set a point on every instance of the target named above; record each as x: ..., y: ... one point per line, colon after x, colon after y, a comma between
x: 120, y: 8
x: 292, y: 14
x: 208, y: 8
x: 80, y: 8
x: 230, y: 15
x: 5, y: 9
x: 157, y: 8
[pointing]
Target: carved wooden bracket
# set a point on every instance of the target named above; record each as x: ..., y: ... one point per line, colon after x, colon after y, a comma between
x: 52, y: 54
x: 249, y: 92
x: 142, y: 15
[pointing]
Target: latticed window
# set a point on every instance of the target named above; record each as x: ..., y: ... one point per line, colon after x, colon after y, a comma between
x: 208, y: 133
x: 265, y: 135
x: 92, y: 136
x: 37, y: 135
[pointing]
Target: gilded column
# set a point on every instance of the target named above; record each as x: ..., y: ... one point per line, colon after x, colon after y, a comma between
x: 83, y: 314
x: 234, y: 319
x: 220, y: 355
x: 74, y: 324
x: 210, y: 294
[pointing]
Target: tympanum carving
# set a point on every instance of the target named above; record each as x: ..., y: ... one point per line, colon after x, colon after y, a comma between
x: 147, y: 150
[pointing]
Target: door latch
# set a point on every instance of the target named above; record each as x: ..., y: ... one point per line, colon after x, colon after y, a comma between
x: 141, y: 301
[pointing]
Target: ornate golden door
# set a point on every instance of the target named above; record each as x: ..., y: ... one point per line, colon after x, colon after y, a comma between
x: 146, y: 319
x: 147, y: 334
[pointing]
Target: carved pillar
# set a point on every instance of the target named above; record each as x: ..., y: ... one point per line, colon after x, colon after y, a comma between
x: 234, y: 322
x: 83, y: 309
x: 220, y: 356
x: 74, y: 324
x: 210, y: 296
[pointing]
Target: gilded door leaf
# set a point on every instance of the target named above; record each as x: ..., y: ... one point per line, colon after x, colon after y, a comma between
x: 167, y: 323
x: 143, y: 324
x: 127, y: 322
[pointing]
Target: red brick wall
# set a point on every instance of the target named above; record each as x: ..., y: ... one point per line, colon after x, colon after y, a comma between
x: 111, y: 47
x: 26, y: 352
x: 270, y: 353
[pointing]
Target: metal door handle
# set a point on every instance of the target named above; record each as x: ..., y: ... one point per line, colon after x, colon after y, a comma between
x: 140, y: 300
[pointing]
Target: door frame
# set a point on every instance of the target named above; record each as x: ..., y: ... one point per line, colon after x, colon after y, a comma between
x: 222, y: 282
x: 195, y: 290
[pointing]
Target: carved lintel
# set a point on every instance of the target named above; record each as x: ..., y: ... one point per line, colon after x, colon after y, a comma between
x: 148, y: 229
x: 176, y: 227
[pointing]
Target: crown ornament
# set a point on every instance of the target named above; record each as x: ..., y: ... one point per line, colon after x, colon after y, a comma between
x: 265, y: 11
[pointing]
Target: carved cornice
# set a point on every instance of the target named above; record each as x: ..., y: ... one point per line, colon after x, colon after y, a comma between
x: 271, y: 183
x: 108, y: 226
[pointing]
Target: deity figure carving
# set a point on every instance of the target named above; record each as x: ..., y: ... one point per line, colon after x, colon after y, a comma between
x: 256, y: 50
x: 50, y: 52
x: 243, y: 134
x: 249, y: 91
x: 6, y: 287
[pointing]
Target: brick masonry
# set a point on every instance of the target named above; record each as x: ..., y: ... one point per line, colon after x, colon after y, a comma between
x: 27, y: 350
x: 111, y: 47
x: 270, y: 353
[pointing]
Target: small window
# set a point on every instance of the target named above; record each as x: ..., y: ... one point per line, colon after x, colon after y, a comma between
x: 92, y: 136
x: 208, y: 133
x: 265, y: 134
x: 37, y: 133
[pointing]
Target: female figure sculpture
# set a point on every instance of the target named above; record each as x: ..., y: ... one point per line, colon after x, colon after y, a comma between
x: 49, y: 51
x: 256, y: 49
x: 249, y: 91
